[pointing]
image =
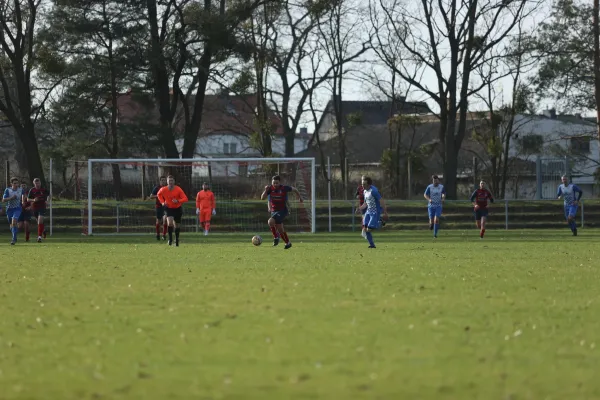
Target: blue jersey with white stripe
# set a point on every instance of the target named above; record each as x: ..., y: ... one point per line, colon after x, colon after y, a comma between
x: 16, y: 202
x: 435, y: 194
x: 373, y: 200
x: 568, y: 193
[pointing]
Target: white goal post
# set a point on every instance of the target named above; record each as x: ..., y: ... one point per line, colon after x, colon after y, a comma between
x: 118, y: 193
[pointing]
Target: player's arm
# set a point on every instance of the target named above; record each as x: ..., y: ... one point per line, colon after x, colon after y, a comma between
x: 490, y: 196
x: 473, y: 197
x: 181, y: 196
x: 294, y: 190
x: 427, y: 194
x: 30, y: 196
x: 154, y: 193
x: 161, y: 196
x: 559, y: 193
x: 6, y: 197
x: 266, y: 192
x: 443, y: 194
x: 579, y: 192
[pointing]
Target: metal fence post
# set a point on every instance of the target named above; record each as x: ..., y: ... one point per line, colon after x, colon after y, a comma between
x: 117, y: 217
x: 353, y: 217
x: 505, y: 214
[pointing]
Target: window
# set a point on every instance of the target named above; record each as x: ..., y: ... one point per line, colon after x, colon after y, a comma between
x: 243, y: 170
x: 531, y: 144
x: 229, y: 148
x: 580, y: 145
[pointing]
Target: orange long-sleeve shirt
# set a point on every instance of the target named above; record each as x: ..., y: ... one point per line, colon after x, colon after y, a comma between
x: 205, y: 199
x: 166, y: 196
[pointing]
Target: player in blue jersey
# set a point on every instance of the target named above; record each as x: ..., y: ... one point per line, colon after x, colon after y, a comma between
x: 568, y: 192
x: 12, y: 196
x: 278, y: 205
x: 375, y: 205
x: 435, y: 194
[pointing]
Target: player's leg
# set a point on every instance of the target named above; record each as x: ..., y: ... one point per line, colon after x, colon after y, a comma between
x: 165, y: 224
x: 571, y: 219
x: 364, y: 228
x: 40, y: 223
x: 205, y: 216
x: 371, y: 221
x: 14, y: 224
x: 478, y: 219
x: 170, y: 215
x: 484, y: 215
x: 159, y: 221
x: 431, y: 213
x: 177, y: 221
x: 273, y: 227
x: 22, y: 223
x: 436, y: 221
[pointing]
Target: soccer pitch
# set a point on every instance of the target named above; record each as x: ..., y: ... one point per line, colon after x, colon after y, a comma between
x: 513, y: 316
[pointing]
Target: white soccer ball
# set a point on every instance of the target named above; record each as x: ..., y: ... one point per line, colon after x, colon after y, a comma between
x: 256, y: 240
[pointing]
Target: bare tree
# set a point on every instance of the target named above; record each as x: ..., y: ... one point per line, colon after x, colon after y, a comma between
x: 341, y: 36
x: 450, y: 39
x: 294, y: 56
x: 19, y: 59
x: 500, y: 122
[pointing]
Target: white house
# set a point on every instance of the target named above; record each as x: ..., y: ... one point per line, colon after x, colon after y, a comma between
x: 550, y: 140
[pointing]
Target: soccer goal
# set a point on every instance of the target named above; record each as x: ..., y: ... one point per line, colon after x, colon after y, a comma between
x: 118, y: 193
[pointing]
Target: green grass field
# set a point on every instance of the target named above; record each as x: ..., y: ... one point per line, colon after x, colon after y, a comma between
x: 514, y: 316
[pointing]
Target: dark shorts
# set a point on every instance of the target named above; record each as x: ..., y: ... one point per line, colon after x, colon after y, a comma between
x: 176, y: 213
x: 25, y: 216
x: 39, y: 211
x: 160, y: 212
x: 279, y: 216
x: 482, y: 212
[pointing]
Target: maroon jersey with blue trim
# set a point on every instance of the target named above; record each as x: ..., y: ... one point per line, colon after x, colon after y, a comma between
x: 40, y: 193
x: 278, y: 197
x: 360, y: 194
x: 481, y: 197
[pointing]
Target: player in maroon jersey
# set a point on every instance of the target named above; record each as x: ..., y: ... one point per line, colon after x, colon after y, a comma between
x: 161, y: 218
x: 25, y: 216
x: 480, y: 198
x: 278, y: 205
x: 38, y: 198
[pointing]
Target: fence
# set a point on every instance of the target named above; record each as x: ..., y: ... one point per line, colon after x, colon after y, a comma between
x: 121, y: 217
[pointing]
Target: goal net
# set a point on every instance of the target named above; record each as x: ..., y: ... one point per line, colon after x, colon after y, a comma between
x: 118, y: 193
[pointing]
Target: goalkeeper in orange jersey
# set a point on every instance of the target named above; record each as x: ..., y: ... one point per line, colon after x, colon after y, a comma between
x: 206, y: 206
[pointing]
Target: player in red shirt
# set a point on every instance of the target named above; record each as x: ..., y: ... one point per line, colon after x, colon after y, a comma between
x: 480, y: 198
x: 360, y: 196
x: 278, y: 205
x: 160, y: 210
x: 38, y: 198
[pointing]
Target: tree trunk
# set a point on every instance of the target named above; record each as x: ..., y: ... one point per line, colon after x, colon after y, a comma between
x: 26, y: 134
x: 505, y: 156
x: 596, y: 27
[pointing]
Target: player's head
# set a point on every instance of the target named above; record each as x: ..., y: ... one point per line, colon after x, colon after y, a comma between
x: 37, y: 183
x: 205, y: 186
x: 163, y: 181
x: 435, y: 179
x: 14, y: 182
x: 366, y: 182
x: 276, y: 181
x: 564, y: 179
x: 482, y: 184
x: 171, y: 181
x: 23, y: 186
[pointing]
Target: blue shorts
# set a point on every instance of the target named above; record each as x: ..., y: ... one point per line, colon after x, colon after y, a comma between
x: 25, y: 216
x: 482, y: 212
x: 570, y: 211
x: 279, y: 216
x: 13, y: 213
x: 434, y: 211
x: 371, y: 220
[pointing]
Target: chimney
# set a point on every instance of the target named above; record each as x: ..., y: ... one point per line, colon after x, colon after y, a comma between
x: 551, y: 113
